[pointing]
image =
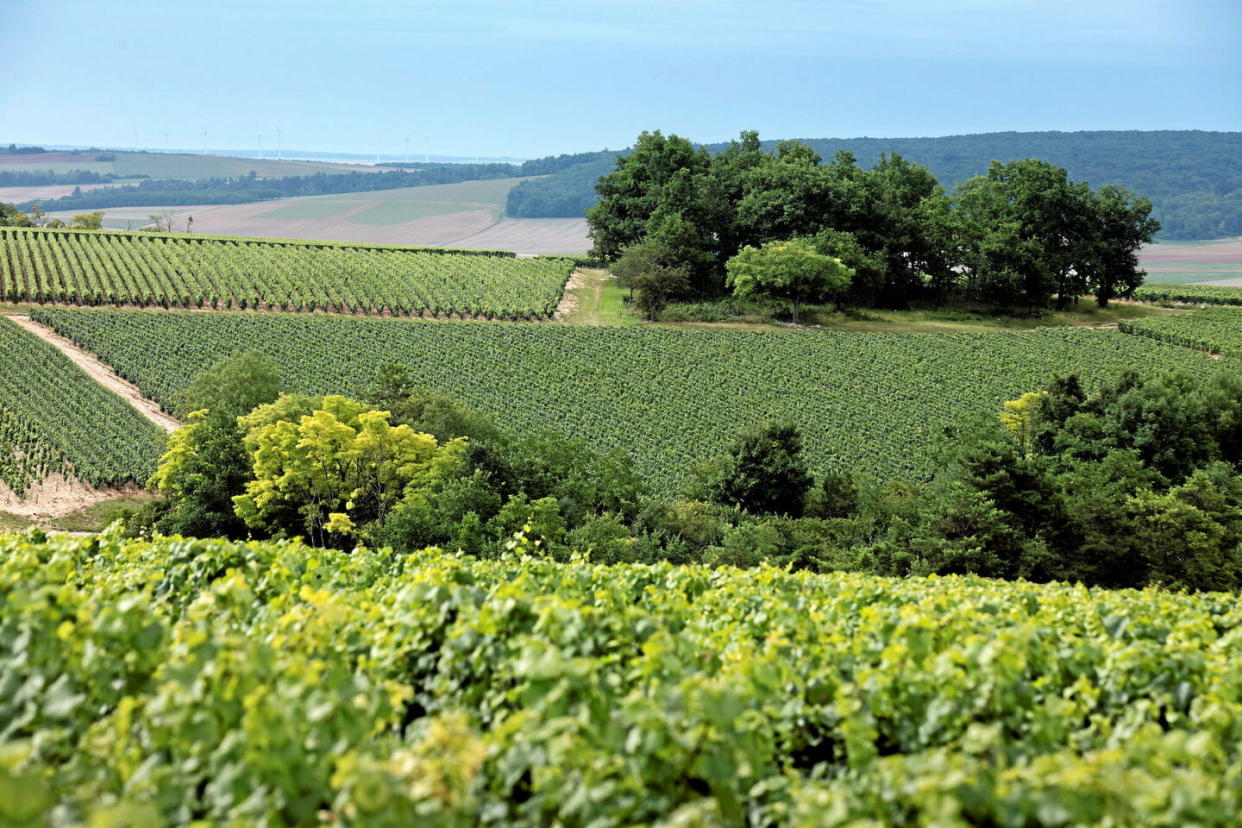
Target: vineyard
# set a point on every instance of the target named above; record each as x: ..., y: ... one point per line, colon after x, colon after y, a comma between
x: 670, y: 398
x: 205, y: 682
x: 151, y: 270
x: 55, y: 418
x: 1215, y: 330
x: 1190, y: 294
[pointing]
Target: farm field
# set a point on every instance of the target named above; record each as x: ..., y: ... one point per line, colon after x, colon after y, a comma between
x: 57, y: 420
x: 171, y: 165
x: 16, y: 195
x: 1208, y: 293
x: 671, y: 398
x: 200, y: 272
x: 446, y: 690
x: 1216, y: 330
x: 442, y: 215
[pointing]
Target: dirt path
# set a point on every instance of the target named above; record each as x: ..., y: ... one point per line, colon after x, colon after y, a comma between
x: 99, y: 372
x: 569, y: 299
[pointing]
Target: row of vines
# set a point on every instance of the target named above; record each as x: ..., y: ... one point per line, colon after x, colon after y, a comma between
x: 55, y: 419
x: 201, y: 682
x: 881, y: 403
x: 1215, y: 330
x: 150, y: 270
x: 1189, y: 294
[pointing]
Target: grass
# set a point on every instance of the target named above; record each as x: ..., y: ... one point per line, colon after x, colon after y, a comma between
x: 599, y: 300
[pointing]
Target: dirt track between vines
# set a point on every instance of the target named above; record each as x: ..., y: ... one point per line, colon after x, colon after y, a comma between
x: 99, y: 372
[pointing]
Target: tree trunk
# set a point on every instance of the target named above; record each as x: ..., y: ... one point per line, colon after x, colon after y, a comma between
x: 796, y: 305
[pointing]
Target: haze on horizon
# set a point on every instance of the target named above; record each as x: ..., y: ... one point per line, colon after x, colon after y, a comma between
x: 538, y: 77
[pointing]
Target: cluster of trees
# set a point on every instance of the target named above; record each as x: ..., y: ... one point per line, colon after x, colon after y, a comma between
x: 1193, y: 178
x: 10, y: 216
x: 46, y: 178
x: 14, y: 149
x: 1137, y: 484
x: 1021, y: 235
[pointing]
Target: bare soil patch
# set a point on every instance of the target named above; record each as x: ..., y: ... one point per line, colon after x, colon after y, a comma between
x: 569, y: 299
x: 55, y: 496
x: 101, y: 373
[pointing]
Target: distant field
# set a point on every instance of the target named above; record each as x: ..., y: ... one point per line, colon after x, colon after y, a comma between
x: 17, y: 195
x: 669, y: 398
x: 172, y: 165
x: 1218, y: 251
x: 443, y: 215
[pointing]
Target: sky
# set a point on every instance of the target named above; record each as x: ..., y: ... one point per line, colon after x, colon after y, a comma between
x: 531, y: 78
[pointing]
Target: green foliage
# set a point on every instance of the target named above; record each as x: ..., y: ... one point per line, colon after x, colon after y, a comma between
x: 667, y: 398
x: 1190, y: 294
x: 326, y: 468
x: 185, y: 681
x: 789, y: 270
x: 1215, y: 330
x: 765, y: 472
x: 233, y: 386
x: 55, y: 418
x: 207, y: 272
x: 1030, y: 234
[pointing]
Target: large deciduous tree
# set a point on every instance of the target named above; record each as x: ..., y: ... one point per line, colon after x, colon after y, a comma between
x: 325, y: 467
x: 789, y: 270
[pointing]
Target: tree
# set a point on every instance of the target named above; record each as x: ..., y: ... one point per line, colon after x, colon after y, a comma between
x: 205, y: 464
x: 634, y: 262
x: 1120, y: 225
x: 631, y: 193
x: 790, y: 270
x: 88, y: 221
x: 10, y: 216
x: 234, y: 386
x: 326, y: 468
x: 765, y: 472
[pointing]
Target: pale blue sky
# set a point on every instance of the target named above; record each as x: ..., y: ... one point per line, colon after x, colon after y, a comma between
x: 536, y: 77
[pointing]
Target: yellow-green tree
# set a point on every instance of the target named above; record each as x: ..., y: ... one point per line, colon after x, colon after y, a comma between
x: 325, y: 468
x: 791, y: 270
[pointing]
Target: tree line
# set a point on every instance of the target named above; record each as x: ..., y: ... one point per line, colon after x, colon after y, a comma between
x: 1022, y: 235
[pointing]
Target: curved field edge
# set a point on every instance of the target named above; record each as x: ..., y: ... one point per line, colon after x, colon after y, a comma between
x: 439, y: 689
x: 880, y: 403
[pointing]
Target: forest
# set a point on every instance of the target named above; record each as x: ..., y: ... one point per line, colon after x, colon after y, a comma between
x: 1193, y: 178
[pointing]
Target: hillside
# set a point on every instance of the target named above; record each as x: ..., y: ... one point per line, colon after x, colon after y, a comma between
x: 1193, y: 178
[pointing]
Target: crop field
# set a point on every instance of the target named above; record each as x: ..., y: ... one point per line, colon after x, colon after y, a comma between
x: 55, y: 418
x: 262, y: 683
x: 149, y: 270
x: 442, y: 215
x: 670, y: 398
x: 171, y: 165
x: 1216, y: 330
x: 1220, y: 294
